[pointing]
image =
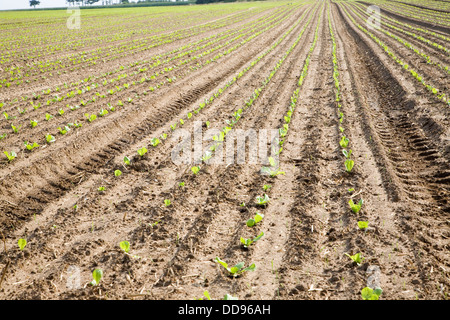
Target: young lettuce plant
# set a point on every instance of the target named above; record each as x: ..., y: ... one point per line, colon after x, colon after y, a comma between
x: 22, y: 243
x: 344, y: 142
x: 125, y: 246
x: 247, y: 242
x: 262, y: 201
x: 371, y: 294
x: 237, y: 270
x: 30, y: 146
x: 126, y: 161
x: 356, y: 258
x: 349, y: 165
x: 195, y: 170
x: 49, y: 138
x: 355, y: 207
x: 117, y: 173
x: 258, y: 217
x: 155, y: 141
x: 167, y: 202
x: 11, y: 156
x: 363, y: 225
x: 96, y: 276
x: 142, y: 151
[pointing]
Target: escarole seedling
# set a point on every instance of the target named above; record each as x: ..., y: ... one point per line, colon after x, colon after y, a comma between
x: 355, y: 207
x: 142, y: 151
x: 238, y: 269
x: 22, y: 243
x: 31, y: 146
x: 258, y: 217
x: 349, y: 165
x: 125, y: 246
x: 11, y: 156
x: 356, y: 258
x: 262, y: 201
x: 96, y: 276
x: 247, y: 242
x: 363, y: 225
x: 155, y: 141
x: 344, y: 142
x: 371, y: 294
x: 273, y: 169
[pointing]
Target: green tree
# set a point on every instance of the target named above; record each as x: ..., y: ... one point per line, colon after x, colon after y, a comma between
x: 34, y: 3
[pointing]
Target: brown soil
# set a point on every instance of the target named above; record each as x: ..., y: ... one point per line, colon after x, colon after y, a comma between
x: 400, y: 139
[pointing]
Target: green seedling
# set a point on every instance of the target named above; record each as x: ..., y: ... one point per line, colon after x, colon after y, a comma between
x: 126, y: 160
x: 117, y: 173
x: 346, y: 153
x: 349, y: 165
x: 31, y: 146
x: 8, y: 117
x: 49, y: 138
x: 181, y: 121
x: 195, y: 170
x: 22, y: 243
x: 207, y: 124
x: 371, y: 294
x: 61, y: 111
x: 355, y: 207
x: 142, y: 151
x: 258, y: 217
x: 356, y: 258
x: 155, y: 141
x: 229, y: 297
x: 96, y: 276
x: 48, y: 116
x: 242, y: 204
x: 344, y: 142
x: 173, y: 126
x: 63, y: 131
x: 103, y: 112
x: 247, y: 242
x: 33, y: 123
x: 363, y: 225
x: 237, y: 270
x: 266, y: 187
x: 91, y: 117
x: 125, y: 246
x: 167, y: 202
x: 3, y: 136
x: 16, y: 129
x: 101, y: 189
x: 22, y: 111
x: 163, y: 136
x: 11, y: 156
x: 181, y: 184
x: 120, y: 103
x: 262, y: 201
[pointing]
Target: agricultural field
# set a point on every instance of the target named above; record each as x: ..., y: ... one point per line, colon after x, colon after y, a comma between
x: 107, y: 191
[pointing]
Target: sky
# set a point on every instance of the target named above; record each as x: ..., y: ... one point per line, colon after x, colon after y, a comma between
x: 25, y: 4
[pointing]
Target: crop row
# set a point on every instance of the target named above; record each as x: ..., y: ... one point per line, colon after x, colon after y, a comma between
x: 419, y: 78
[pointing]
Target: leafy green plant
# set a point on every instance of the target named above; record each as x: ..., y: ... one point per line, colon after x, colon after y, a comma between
x: 142, y: 151
x: 126, y: 160
x: 155, y: 141
x: 346, y: 153
x: 344, y: 142
x: 8, y: 117
x: 11, y: 156
x: 22, y: 243
x: 125, y: 246
x: 266, y: 187
x: 103, y: 112
x: 349, y: 164
x: 167, y: 202
x: 49, y: 138
x: 101, y: 189
x: 262, y: 201
x: 371, y: 294
x: 63, y: 131
x: 356, y: 258
x: 258, y: 217
x: 238, y: 269
x: 48, y: 116
x: 33, y: 123
x: 363, y: 225
x: 195, y: 169
x: 31, y: 146
x: 355, y: 207
x: 117, y: 173
x: 247, y: 242
x: 181, y: 184
x: 16, y: 129
x: 97, y: 277
x: 91, y: 117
